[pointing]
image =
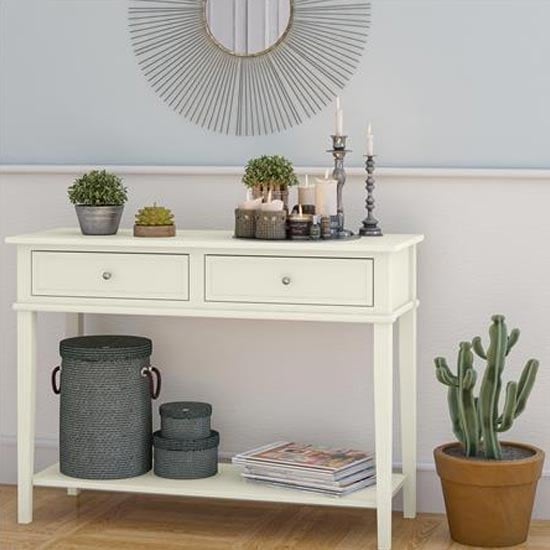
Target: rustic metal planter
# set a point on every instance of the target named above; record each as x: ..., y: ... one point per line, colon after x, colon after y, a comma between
x: 99, y: 220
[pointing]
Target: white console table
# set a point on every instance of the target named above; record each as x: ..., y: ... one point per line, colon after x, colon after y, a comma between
x: 210, y: 274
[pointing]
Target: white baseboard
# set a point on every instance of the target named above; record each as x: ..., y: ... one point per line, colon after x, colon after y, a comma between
x: 430, y: 499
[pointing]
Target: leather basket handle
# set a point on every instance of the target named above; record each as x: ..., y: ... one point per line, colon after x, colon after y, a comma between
x: 55, y: 387
x: 149, y: 372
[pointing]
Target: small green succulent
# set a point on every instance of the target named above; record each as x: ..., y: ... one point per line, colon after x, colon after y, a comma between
x: 98, y: 188
x: 274, y: 171
x: 154, y: 215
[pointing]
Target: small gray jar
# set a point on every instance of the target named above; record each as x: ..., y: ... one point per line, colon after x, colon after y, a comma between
x: 99, y: 220
x: 187, y: 420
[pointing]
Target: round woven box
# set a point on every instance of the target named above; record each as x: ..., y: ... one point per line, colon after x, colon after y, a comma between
x: 185, y: 420
x: 245, y: 223
x: 105, y: 407
x: 186, y: 459
x: 271, y: 225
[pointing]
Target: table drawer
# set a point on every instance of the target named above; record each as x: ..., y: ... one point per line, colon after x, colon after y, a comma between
x: 289, y: 280
x: 110, y: 275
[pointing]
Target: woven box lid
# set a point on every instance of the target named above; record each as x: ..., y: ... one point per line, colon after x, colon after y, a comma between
x: 185, y: 409
x: 213, y: 440
x: 105, y: 348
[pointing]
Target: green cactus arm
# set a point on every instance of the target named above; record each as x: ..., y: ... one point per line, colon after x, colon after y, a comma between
x: 478, y: 347
x: 469, y: 379
x: 508, y: 414
x: 490, y: 388
x: 525, y: 385
x: 452, y: 399
x: 479, y: 432
x: 466, y: 401
x: 512, y: 340
x: 443, y: 372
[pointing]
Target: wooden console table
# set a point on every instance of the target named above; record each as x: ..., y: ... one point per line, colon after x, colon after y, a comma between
x: 210, y: 274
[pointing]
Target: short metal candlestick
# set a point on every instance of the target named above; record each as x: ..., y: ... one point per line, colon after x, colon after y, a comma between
x: 339, y: 174
x: 370, y: 226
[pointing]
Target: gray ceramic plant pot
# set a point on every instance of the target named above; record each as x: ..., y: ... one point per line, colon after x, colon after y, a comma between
x: 99, y: 220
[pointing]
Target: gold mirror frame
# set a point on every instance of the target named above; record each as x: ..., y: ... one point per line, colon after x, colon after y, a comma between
x: 248, y: 94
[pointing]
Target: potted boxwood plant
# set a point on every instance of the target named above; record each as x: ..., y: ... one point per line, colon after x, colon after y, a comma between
x: 267, y: 174
x: 99, y: 199
x: 489, y: 486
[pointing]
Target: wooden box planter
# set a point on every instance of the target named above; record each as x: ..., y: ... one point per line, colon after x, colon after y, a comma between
x: 154, y: 231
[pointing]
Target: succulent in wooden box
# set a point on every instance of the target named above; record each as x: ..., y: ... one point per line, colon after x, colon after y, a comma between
x: 154, y: 221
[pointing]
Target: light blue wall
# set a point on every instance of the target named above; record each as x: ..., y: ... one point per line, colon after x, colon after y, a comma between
x: 445, y: 83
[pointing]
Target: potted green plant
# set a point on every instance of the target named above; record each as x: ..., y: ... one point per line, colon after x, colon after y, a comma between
x: 270, y: 174
x: 489, y: 486
x: 99, y: 199
x: 154, y: 221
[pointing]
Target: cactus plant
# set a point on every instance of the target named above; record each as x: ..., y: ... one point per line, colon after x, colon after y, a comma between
x: 154, y: 215
x: 476, y: 420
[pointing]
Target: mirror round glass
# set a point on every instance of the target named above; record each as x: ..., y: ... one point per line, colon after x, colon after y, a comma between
x: 245, y: 27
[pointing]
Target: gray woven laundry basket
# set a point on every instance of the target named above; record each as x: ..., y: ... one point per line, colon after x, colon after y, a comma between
x: 186, y: 459
x: 185, y: 420
x: 105, y: 409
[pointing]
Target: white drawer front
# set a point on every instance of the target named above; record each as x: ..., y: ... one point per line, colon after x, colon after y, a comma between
x: 106, y: 275
x: 289, y: 280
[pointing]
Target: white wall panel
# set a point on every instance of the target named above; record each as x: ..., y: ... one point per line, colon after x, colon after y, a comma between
x: 313, y: 381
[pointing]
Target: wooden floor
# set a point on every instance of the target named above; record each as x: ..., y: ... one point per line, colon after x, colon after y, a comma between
x: 120, y: 521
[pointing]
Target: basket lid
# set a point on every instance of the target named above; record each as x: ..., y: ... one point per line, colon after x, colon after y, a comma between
x: 105, y: 347
x: 185, y: 409
x: 213, y: 440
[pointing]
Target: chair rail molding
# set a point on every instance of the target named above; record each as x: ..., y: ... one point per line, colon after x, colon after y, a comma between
x: 181, y: 170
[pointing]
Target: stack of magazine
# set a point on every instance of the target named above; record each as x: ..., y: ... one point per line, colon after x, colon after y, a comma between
x: 335, y: 472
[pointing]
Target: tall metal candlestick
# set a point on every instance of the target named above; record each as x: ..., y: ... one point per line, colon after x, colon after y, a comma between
x: 339, y: 174
x: 370, y: 226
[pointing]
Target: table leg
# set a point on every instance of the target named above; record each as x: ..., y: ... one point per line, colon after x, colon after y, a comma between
x: 26, y: 408
x: 407, y: 391
x: 74, y: 326
x: 383, y: 409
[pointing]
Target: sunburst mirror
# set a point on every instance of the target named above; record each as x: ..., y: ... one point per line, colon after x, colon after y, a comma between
x: 248, y: 67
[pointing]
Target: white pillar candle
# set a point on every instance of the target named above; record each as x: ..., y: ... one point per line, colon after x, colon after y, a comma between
x: 326, y: 197
x: 306, y: 193
x: 339, y: 118
x: 253, y: 204
x: 272, y: 206
x: 250, y: 203
x: 370, y: 141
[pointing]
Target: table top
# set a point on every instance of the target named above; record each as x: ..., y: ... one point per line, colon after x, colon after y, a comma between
x: 219, y: 239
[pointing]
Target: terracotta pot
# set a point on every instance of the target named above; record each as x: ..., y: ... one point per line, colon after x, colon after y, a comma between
x: 154, y: 230
x: 489, y: 502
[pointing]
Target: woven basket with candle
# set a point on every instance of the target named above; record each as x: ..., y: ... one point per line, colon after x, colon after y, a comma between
x: 271, y: 225
x: 245, y: 223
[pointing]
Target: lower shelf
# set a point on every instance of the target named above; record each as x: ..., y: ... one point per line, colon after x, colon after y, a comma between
x: 227, y: 484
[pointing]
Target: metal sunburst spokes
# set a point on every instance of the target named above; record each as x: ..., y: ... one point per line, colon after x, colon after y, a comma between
x: 248, y: 94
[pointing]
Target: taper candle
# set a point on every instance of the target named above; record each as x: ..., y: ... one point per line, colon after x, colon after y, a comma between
x: 339, y: 118
x: 370, y: 141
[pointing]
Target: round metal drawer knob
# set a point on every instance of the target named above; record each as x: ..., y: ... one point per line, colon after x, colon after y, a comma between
x: 286, y: 281
x: 106, y: 275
